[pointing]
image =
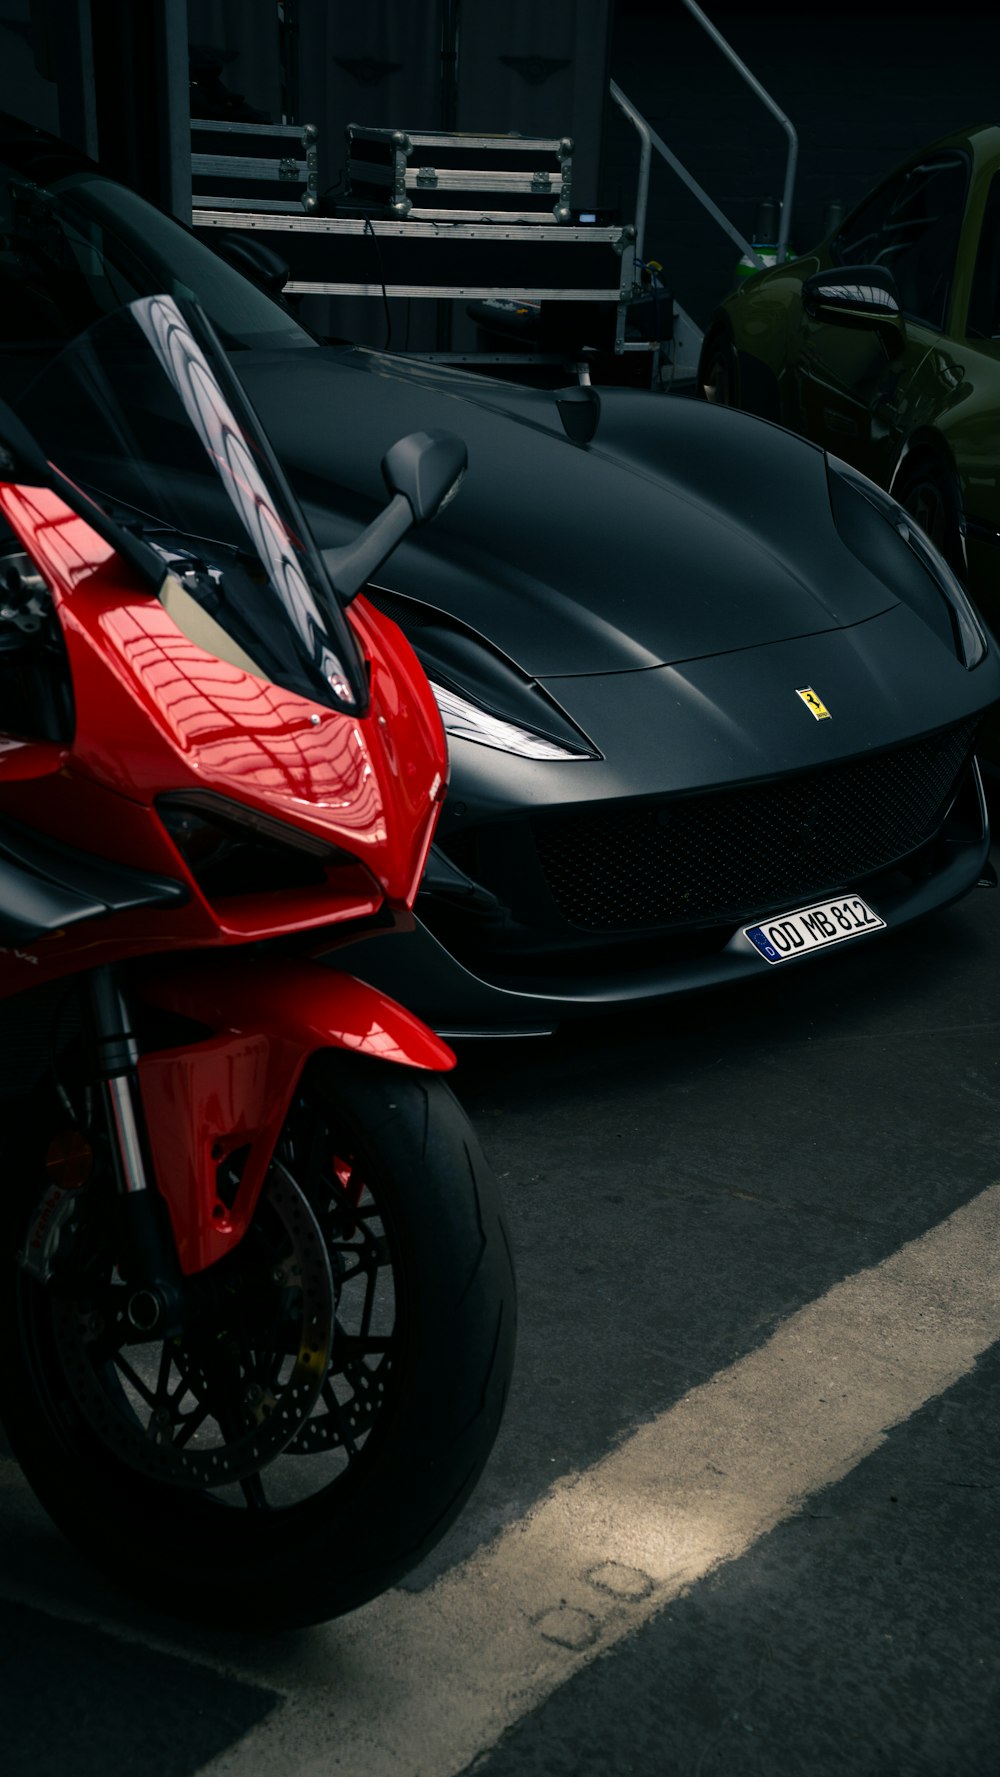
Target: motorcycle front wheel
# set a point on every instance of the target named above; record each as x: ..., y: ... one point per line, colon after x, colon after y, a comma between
x: 338, y: 1385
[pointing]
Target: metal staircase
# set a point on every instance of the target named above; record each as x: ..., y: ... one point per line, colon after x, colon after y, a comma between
x: 687, y: 335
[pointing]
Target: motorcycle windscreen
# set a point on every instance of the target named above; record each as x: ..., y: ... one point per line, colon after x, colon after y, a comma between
x: 145, y: 413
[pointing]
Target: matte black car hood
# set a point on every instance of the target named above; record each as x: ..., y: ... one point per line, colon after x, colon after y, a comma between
x: 680, y: 531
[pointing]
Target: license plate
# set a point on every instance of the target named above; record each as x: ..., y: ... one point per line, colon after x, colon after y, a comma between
x: 812, y: 928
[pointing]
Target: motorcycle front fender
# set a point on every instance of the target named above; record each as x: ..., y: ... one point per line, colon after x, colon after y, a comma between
x: 215, y: 1107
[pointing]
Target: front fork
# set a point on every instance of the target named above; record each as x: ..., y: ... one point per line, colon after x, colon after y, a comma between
x: 148, y: 1254
x: 218, y: 1102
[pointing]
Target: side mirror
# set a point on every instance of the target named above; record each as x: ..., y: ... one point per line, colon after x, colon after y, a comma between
x: 422, y: 473
x: 861, y: 296
x: 257, y: 261
x: 426, y: 468
x: 580, y: 412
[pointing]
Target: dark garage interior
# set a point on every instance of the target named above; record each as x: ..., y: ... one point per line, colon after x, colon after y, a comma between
x: 861, y: 87
x: 739, y: 1518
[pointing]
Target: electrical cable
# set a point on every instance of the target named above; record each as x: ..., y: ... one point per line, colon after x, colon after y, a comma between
x: 381, y: 278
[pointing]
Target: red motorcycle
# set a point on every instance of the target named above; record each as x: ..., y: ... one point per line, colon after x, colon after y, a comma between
x: 258, y: 1313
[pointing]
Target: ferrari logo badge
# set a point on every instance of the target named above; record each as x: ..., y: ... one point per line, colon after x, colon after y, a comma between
x: 814, y: 704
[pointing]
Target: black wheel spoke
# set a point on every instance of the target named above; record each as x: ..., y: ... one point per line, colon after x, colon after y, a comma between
x: 163, y: 1377
x: 190, y: 1424
x: 252, y: 1489
x: 141, y: 1388
x: 329, y: 1395
x: 371, y: 1282
x: 351, y: 1348
x: 351, y: 1261
x: 105, y: 1348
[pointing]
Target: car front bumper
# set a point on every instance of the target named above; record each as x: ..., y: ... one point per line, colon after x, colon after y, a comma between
x: 495, y: 994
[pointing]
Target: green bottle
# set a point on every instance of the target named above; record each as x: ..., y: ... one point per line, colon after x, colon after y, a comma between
x: 764, y: 239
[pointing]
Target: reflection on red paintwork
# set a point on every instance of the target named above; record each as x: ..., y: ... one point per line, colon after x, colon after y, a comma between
x: 63, y: 546
x: 21, y: 759
x: 155, y: 712
x: 245, y: 733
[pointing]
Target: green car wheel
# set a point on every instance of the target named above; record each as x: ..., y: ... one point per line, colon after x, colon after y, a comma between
x: 718, y: 372
x: 928, y: 488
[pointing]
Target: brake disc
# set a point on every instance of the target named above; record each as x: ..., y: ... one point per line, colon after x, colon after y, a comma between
x: 355, y: 1390
x: 160, y: 1407
x: 348, y: 1421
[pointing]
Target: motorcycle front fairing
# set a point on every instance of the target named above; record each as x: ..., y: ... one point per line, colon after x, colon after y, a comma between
x: 193, y: 741
x: 233, y: 730
x: 261, y: 685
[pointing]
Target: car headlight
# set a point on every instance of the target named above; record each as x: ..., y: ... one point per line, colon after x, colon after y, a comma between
x: 970, y: 634
x: 966, y: 631
x: 465, y: 720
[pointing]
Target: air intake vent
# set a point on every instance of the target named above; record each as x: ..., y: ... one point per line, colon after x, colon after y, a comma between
x: 735, y: 853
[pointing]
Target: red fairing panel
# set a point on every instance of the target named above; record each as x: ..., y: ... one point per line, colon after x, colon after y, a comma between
x: 409, y: 725
x: 233, y: 1091
x: 202, y: 1103
x: 157, y: 713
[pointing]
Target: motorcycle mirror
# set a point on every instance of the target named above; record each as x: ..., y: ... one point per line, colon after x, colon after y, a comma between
x: 426, y: 467
x: 422, y: 473
x: 864, y: 296
x: 256, y: 260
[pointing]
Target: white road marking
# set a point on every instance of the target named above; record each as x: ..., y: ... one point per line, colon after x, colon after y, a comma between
x: 417, y: 1685
x: 420, y: 1684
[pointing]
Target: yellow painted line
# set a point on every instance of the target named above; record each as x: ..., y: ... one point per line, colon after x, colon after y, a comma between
x: 418, y: 1685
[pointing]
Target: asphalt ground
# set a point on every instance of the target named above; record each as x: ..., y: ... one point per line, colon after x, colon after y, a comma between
x: 742, y: 1515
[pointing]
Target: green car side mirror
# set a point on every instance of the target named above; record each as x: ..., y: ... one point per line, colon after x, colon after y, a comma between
x: 863, y: 296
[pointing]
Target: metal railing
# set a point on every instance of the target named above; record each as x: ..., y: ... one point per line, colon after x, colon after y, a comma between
x: 651, y: 142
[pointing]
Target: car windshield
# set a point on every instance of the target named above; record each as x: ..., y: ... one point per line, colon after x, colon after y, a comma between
x: 145, y: 414
x: 75, y: 246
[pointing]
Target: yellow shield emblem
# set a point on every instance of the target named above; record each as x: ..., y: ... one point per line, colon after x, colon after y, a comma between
x: 814, y: 704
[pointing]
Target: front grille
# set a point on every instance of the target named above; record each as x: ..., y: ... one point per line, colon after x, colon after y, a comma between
x: 732, y: 854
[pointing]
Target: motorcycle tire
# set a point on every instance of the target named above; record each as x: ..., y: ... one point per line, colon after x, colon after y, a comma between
x: 384, y: 1163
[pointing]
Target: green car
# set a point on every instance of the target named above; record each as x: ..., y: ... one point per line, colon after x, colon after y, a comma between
x: 883, y: 346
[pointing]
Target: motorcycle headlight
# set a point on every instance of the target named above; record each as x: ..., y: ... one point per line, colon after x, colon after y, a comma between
x: 464, y: 720
x: 965, y: 631
x: 231, y: 849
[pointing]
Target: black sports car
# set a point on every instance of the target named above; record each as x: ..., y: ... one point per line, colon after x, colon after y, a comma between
x: 712, y: 697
